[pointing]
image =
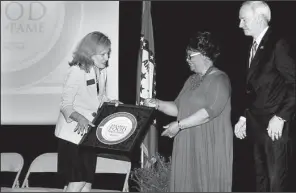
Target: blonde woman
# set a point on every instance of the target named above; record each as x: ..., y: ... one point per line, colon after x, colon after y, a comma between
x: 83, y: 93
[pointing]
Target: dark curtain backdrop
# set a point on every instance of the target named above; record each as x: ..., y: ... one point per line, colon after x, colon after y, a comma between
x: 174, y: 22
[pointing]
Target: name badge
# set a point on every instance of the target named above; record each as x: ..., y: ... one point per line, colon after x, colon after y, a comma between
x: 90, y: 82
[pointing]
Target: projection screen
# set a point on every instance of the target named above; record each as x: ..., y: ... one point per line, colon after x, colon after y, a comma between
x: 37, y: 42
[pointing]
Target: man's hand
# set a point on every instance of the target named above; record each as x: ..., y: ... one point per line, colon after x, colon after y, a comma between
x: 275, y: 127
x: 240, y: 128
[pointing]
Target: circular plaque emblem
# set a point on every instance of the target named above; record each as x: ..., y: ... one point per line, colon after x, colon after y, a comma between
x: 116, y: 128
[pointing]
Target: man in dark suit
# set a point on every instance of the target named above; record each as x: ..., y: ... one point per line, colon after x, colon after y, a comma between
x: 269, y: 112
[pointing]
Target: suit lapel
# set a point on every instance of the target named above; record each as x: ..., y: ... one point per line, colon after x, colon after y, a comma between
x: 92, y: 89
x: 259, y: 53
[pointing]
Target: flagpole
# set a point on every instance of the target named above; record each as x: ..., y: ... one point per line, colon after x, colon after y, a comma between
x: 142, y: 157
x: 142, y: 148
x: 146, y: 76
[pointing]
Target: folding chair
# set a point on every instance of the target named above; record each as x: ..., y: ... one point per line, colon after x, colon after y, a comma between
x: 43, y: 163
x: 12, y: 162
x: 106, y: 165
x: 113, y: 166
x: 48, y: 163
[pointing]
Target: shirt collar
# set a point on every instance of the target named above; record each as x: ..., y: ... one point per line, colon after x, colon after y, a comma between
x: 259, y: 38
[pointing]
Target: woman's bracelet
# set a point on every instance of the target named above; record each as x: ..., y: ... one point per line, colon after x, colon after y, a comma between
x: 179, y: 125
x: 157, y: 104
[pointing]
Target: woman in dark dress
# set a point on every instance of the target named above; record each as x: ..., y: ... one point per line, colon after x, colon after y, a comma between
x: 203, y: 136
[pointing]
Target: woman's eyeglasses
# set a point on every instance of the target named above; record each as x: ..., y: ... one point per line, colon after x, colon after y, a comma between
x: 189, y: 57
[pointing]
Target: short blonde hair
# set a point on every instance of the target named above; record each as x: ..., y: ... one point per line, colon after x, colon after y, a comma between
x: 260, y: 8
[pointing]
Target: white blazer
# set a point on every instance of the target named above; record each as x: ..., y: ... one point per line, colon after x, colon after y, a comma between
x: 80, y: 95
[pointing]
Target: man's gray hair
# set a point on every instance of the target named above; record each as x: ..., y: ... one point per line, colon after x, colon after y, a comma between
x: 260, y: 8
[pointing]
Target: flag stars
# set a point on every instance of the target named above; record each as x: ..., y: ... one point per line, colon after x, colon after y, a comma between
x: 142, y: 101
x: 141, y: 88
x: 143, y: 75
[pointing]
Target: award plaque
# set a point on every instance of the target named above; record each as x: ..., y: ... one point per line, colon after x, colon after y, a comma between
x: 119, y: 129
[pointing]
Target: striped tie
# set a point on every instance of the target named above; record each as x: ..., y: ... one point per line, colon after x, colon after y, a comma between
x: 253, y: 50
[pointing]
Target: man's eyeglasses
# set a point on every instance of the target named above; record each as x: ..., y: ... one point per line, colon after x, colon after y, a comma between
x: 189, y: 57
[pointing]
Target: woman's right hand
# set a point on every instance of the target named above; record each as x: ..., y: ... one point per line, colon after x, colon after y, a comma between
x: 151, y: 102
x: 82, y: 125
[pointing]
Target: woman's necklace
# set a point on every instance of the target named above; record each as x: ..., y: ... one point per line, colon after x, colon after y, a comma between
x: 196, y: 80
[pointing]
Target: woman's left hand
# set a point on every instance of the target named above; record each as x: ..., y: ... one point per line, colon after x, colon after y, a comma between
x: 117, y: 102
x: 171, y: 129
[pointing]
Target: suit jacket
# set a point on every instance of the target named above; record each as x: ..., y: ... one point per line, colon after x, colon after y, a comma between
x: 80, y: 94
x: 270, y: 88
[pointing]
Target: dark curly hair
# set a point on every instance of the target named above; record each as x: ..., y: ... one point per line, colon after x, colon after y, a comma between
x: 204, y: 43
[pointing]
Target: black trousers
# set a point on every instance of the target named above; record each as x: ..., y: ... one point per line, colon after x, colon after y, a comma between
x: 272, y: 159
x: 272, y: 165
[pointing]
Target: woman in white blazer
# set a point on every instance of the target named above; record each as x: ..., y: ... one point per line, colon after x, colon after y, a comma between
x: 84, y: 92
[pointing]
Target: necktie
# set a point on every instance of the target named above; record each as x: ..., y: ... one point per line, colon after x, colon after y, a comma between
x: 253, y: 50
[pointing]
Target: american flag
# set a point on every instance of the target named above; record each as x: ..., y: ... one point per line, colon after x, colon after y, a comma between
x: 146, y: 80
